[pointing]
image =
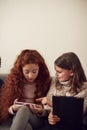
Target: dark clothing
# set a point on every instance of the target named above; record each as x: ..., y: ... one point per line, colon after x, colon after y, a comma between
x: 1, y: 82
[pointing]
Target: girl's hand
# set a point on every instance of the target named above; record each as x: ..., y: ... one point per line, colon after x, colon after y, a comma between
x: 53, y: 119
x: 15, y: 107
x: 44, y: 101
x: 36, y: 108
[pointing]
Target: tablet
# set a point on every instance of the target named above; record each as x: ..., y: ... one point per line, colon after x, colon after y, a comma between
x: 26, y: 103
x: 69, y: 109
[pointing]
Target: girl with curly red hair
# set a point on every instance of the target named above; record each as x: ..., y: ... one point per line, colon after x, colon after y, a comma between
x: 28, y: 79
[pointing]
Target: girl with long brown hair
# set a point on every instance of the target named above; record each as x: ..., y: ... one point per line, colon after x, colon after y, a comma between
x: 69, y: 80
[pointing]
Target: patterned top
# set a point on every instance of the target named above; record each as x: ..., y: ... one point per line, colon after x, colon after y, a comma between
x: 64, y: 91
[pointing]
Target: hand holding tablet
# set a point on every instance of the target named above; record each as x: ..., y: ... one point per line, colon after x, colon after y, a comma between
x: 25, y: 103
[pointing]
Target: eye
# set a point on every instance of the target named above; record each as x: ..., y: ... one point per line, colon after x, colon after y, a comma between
x: 34, y: 72
x: 26, y: 72
x: 58, y: 72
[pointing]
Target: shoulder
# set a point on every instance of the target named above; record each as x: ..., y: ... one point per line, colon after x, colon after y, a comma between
x: 83, y: 91
x: 84, y: 86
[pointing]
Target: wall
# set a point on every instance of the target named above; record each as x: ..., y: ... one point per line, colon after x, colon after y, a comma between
x: 50, y: 26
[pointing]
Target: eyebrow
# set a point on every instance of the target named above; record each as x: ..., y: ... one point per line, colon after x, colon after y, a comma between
x: 31, y: 70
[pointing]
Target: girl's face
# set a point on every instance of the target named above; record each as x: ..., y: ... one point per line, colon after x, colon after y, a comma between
x: 30, y: 72
x: 63, y: 74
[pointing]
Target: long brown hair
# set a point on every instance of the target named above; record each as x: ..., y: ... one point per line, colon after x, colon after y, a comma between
x: 14, y: 83
x: 70, y: 61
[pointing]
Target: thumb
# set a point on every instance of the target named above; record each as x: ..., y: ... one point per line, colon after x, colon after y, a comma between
x: 15, y: 100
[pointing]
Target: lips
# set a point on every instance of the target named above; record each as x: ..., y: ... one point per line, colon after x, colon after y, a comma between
x: 30, y: 79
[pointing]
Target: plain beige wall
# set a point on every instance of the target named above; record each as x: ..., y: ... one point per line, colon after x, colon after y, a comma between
x: 50, y: 26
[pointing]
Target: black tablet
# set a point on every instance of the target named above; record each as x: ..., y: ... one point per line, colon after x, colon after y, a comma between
x: 69, y: 109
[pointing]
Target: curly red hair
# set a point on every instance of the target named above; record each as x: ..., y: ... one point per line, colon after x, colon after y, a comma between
x: 12, y: 87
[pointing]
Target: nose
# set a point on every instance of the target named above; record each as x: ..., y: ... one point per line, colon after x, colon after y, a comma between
x: 30, y: 75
